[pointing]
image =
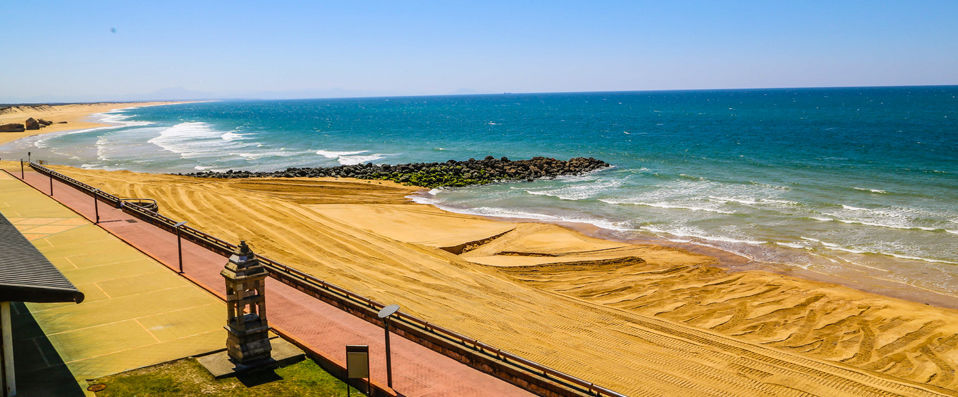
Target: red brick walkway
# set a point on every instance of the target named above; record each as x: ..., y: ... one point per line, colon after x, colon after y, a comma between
x: 417, y: 371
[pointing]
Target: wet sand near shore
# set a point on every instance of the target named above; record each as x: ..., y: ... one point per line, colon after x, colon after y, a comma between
x: 641, y: 319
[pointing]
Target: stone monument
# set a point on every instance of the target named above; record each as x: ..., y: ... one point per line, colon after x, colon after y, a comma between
x: 247, y: 341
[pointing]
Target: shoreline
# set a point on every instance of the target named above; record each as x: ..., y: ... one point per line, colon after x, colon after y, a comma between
x: 357, y: 234
x: 77, y: 116
x: 735, y: 262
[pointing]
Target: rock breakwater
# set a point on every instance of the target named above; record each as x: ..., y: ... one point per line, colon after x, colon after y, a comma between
x: 451, y: 173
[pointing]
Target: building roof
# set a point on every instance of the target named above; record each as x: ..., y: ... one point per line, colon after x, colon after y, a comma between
x: 26, y: 275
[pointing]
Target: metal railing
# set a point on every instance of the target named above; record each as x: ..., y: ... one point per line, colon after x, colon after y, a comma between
x: 460, y: 345
x: 147, y: 203
x: 104, y: 196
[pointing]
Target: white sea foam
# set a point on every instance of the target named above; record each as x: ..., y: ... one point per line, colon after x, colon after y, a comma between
x: 873, y: 251
x: 507, y: 213
x: 350, y: 157
x: 420, y: 199
x: 876, y: 191
x: 578, y: 191
x: 751, y: 201
x: 232, y: 136
x: 841, y: 248
x: 791, y: 245
x: 351, y: 160
x: 918, y: 258
x: 768, y: 186
x: 694, y: 178
x: 848, y: 207
x: 746, y: 201
x: 119, y: 119
x: 194, y: 140
x: 693, y: 194
x: 890, y: 226
x: 665, y: 205
x: 497, y: 212
x: 893, y: 218
x: 101, y: 147
x: 270, y: 153
x: 683, y: 231
x: 333, y: 155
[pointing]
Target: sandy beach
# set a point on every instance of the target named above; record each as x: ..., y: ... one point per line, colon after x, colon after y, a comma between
x: 637, y: 318
x: 77, y: 116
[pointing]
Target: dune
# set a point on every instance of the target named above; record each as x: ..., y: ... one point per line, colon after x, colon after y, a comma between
x: 641, y: 319
x: 76, y: 115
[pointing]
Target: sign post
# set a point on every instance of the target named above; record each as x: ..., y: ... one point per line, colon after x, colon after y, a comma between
x: 357, y: 364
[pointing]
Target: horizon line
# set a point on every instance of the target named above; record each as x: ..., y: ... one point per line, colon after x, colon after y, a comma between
x: 240, y: 98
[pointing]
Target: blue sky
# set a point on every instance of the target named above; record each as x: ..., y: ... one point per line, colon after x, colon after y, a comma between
x: 65, y: 50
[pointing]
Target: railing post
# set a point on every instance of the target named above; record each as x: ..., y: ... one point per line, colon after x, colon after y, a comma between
x: 51, y: 185
x: 96, y: 205
x: 179, y: 244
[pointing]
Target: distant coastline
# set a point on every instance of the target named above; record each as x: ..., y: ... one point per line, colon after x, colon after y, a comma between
x: 76, y: 115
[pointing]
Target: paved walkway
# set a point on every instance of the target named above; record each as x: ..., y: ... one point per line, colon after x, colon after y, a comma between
x: 417, y: 371
x: 135, y: 312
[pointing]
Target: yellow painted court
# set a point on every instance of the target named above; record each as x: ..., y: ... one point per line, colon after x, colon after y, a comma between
x: 136, y: 312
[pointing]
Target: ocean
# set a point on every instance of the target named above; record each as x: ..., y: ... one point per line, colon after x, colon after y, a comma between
x: 852, y: 182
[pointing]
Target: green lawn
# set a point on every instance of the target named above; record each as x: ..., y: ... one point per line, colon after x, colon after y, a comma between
x: 187, y: 377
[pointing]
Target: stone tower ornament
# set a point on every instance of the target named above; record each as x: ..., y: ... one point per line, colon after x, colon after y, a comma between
x: 247, y: 341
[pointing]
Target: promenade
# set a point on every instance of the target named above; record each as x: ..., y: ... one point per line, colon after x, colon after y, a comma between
x: 417, y: 371
x: 136, y: 313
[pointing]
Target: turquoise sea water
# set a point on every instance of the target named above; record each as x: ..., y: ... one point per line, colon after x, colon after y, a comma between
x: 858, y: 181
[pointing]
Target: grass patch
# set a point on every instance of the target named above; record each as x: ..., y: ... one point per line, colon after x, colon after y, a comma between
x: 187, y: 377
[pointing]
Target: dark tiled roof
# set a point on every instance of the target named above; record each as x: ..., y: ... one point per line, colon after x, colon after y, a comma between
x: 26, y: 275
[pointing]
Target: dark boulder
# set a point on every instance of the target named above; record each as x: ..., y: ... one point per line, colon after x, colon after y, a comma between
x: 12, y: 127
x: 44, y: 123
x: 32, y: 124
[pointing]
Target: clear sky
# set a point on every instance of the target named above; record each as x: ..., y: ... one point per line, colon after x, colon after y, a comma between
x: 68, y: 51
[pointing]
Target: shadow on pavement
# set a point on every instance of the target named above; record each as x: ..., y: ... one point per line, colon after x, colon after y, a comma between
x: 39, y: 369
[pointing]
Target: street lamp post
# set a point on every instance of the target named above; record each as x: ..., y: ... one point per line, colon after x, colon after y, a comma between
x: 179, y: 243
x: 51, y: 185
x: 384, y: 314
